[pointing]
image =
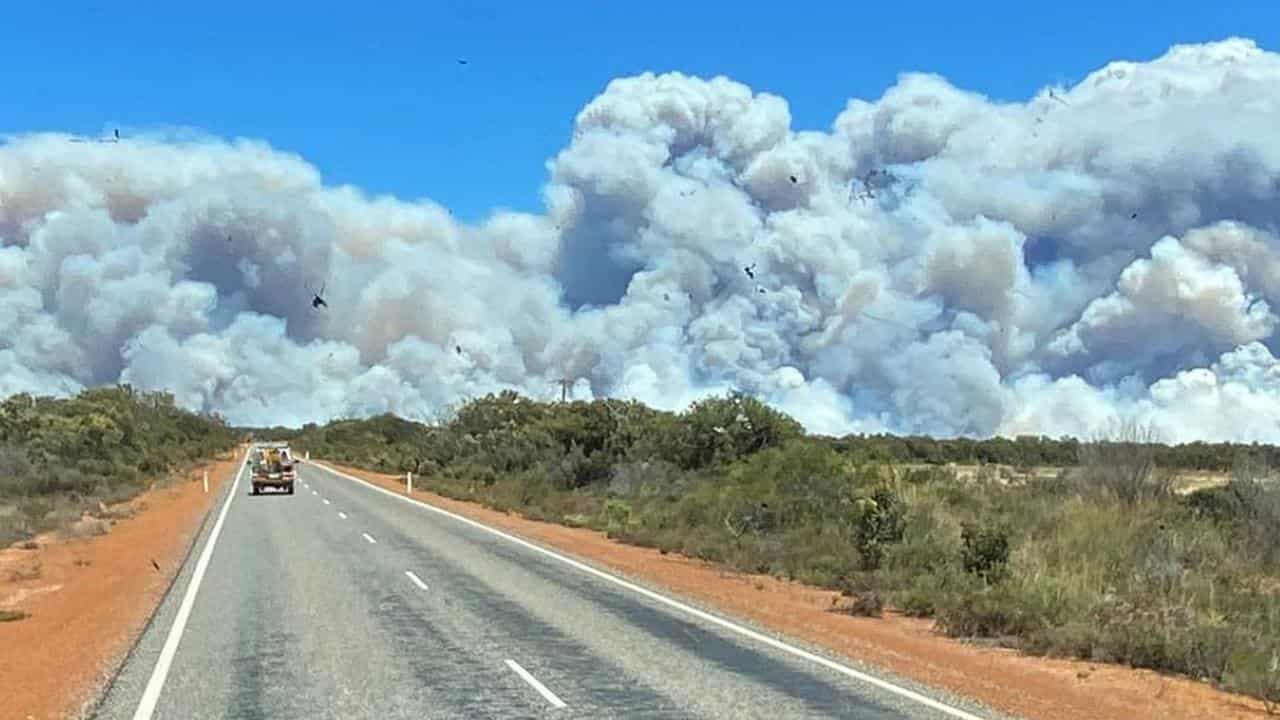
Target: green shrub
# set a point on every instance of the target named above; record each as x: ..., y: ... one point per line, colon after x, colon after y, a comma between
x: 993, y: 611
x: 878, y: 521
x: 576, y: 469
x: 985, y: 550
x: 1256, y: 670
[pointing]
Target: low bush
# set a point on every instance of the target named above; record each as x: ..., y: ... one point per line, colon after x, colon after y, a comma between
x: 62, y: 457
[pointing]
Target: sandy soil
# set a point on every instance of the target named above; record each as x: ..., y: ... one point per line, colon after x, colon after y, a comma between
x: 88, y: 598
x: 1035, y: 688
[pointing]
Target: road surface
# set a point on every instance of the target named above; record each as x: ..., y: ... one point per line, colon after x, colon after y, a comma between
x: 346, y: 601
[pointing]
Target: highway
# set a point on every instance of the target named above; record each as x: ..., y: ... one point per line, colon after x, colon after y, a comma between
x: 346, y: 601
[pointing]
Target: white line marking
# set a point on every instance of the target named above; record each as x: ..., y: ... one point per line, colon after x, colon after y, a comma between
x: 151, y: 695
x: 326, y: 501
x: 687, y: 609
x: 369, y: 537
x: 342, y: 515
x: 533, y: 681
x: 313, y: 492
x: 416, y: 580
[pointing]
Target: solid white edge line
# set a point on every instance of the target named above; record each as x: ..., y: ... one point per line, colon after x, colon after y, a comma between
x: 369, y: 537
x: 533, y: 682
x: 687, y: 609
x: 416, y: 580
x: 151, y: 695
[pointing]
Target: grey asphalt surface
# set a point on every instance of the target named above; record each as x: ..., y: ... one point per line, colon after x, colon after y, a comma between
x: 300, y: 616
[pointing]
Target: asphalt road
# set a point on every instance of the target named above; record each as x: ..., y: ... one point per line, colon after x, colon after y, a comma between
x: 343, y: 601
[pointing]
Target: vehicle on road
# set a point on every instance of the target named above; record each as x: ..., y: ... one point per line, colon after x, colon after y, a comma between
x: 273, y: 468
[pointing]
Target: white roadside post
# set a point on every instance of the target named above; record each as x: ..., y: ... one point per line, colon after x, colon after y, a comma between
x: 206, y: 482
x: 408, y: 477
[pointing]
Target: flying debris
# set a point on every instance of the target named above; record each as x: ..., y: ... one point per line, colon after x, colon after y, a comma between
x: 462, y: 61
x: 155, y: 565
x: 793, y: 179
x: 114, y: 138
x: 458, y: 348
x: 760, y: 290
x: 750, y: 271
x: 666, y: 296
x: 1133, y: 216
x: 318, y: 300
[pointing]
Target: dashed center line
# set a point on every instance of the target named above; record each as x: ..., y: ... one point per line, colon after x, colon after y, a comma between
x: 342, y: 515
x: 533, y: 682
x: 326, y: 501
x: 313, y: 492
x: 416, y: 580
x: 369, y: 537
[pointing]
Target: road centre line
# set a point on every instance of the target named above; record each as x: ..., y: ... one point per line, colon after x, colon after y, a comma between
x: 416, y: 580
x: 369, y: 537
x: 685, y: 608
x: 533, y: 682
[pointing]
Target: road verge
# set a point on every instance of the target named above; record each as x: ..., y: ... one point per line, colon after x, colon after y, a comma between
x: 88, y: 599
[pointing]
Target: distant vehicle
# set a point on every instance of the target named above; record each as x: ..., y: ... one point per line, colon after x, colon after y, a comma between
x: 272, y: 468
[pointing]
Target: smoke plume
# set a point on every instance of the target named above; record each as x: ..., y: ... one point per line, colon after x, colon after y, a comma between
x: 937, y: 262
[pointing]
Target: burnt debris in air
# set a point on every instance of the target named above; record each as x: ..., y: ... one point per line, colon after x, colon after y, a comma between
x: 114, y: 138
x: 318, y: 300
x: 458, y: 348
x: 750, y: 271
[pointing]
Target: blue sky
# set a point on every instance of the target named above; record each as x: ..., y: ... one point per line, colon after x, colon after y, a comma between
x: 373, y: 95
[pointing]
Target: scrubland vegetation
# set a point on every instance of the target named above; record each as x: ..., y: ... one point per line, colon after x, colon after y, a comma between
x: 1099, y: 561
x: 61, y: 457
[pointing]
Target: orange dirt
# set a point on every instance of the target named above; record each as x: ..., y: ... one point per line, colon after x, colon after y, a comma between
x: 1034, y: 688
x: 88, y: 599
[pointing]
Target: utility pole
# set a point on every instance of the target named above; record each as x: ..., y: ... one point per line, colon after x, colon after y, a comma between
x: 565, y: 384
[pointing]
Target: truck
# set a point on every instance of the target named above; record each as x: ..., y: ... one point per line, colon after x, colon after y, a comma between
x: 273, y: 467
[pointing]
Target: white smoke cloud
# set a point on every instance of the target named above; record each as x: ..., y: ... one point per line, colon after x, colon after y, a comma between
x: 937, y: 262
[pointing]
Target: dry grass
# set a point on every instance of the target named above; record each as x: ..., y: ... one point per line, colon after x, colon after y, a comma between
x: 25, y: 574
x: 87, y: 527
